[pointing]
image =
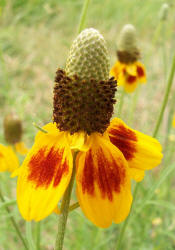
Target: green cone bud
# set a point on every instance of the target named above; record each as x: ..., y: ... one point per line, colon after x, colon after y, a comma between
x: 127, y: 39
x: 164, y: 12
x: 127, y: 46
x: 83, y: 94
x: 88, y: 57
x: 12, y: 128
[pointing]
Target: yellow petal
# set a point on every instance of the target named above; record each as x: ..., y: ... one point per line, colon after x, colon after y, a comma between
x: 44, y: 176
x: 174, y: 121
x: 103, y: 183
x: 116, y: 70
x: 141, y: 151
x: 131, y: 69
x: 137, y: 174
x: 130, y: 84
x: 141, y: 74
x: 77, y: 141
x: 8, y: 159
x: 21, y: 148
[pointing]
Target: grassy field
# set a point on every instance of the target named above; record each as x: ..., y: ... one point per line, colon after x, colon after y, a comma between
x: 35, y: 38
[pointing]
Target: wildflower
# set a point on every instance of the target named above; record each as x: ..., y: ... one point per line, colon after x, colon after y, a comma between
x: 128, y: 71
x: 13, y: 133
x: 109, y: 154
x: 173, y: 123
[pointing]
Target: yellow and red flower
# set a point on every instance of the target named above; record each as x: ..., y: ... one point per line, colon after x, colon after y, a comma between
x: 8, y: 159
x: 108, y: 154
x: 104, y: 167
x: 129, y: 75
x: 13, y: 135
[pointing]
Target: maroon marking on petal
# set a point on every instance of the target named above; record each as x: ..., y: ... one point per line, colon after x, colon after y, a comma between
x: 47, y: 166
x: 88, y: 174
x: 140, y: 71
x: 131, y: 79
x: 124, y: 139
x: 107, y: 175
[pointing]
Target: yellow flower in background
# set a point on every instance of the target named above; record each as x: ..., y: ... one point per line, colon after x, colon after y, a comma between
x: 128, y: 71
x: 174, y: 121
x: 13, y: 133
x: 109, y: 154
x: 8, y: 159
x: 129, y: 75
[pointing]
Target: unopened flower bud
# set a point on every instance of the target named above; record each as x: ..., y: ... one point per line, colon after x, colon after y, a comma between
x: 127, y: 50
x: 12, y: 128
x: 164, y: 12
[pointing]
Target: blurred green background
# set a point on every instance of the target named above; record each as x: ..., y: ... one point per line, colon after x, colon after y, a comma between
x: 35, y: 37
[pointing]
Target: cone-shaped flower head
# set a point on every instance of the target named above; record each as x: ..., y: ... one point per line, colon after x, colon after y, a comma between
x: 12, y: 128
x: 164, y: 12
x: 128, y: 51
x: 84, y: 94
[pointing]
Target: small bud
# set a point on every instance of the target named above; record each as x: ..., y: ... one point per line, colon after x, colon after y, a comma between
x: 127, y: 46
x: 12, y: 128
x: 88, y: 57
x: 164, y: 12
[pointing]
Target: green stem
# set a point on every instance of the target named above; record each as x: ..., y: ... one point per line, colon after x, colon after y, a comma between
x: 133, y: 106
x: 74, y: 206
x: 65, y: 210
x: 29, y: 235
x: 165, y: 100
x: 14, y: 222
x: 83, y: 15
x: 121, y: 103
x: 123, y: 229
x: 37, y: 234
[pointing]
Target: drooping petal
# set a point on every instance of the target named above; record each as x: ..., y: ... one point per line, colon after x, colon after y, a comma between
x: 44, y: 175
x: 141, y: 151
x: 131, y: 69
x: 141, y: 73
x: 103, y: 183
x: 8, y: 159
x: 117, y: 69
x: 131, y: 83
x: 21, y: 148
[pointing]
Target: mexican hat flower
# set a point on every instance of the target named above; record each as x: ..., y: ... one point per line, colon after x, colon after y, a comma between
x: 108, y: 155
x: 13, y: 134
x: 127, y: 70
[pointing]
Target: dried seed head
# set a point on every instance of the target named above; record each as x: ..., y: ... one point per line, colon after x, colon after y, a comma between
x: 83, y: 94
x: 12, y: 128
x: 88, y: 57
x: 128, y: 51
x: 164, y: 12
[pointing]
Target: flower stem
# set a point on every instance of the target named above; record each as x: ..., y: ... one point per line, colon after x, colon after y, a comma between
x: 165, y: 100
x: 133, y: 106
x: 29, y: 235
x: 37, y: 234
x: 125, y: 223
x: 14, y: 223
x: 83, y: 15
x: 121, y: 103
x: 65, y: 210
